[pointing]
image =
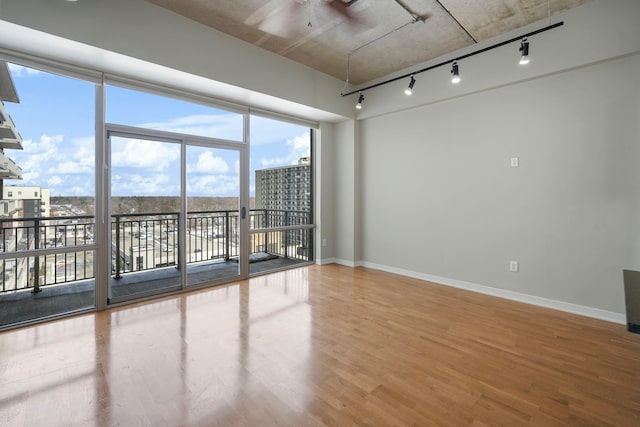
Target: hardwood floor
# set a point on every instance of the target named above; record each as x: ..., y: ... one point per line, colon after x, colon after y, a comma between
x: 322, y: 345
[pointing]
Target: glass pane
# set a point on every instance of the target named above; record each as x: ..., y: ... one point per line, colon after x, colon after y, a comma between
x: 213, y: 233
x: 281, y: 192
x: 48, y: 191
x: 145, y: 205
x: 144, y: 110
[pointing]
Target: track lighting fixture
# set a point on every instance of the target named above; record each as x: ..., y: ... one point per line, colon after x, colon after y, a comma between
x: 409, y: 90
x: 455, y: 73
x: 360, y: 99
x: 524, y: 52
x: 455, y: 70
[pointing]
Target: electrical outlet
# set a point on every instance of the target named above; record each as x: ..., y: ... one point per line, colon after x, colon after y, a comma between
x: 513, y: 266
x: 515, y: 162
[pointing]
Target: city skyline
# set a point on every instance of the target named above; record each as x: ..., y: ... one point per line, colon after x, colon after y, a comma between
x: 56, y: 119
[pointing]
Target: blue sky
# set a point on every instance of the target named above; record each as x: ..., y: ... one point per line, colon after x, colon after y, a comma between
x: 55, y: 117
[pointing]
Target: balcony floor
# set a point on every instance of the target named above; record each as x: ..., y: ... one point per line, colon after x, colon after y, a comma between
x: 21, y: 306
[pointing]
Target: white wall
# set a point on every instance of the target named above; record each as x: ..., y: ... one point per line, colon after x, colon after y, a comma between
x: 569, y: 213
x: 339, y: 216
x: 344, y: 188
x: 324, y: 196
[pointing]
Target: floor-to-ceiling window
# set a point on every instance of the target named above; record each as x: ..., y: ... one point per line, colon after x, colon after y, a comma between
x: 47, y: 244
x: 185, y: 193
x: 281, y: 179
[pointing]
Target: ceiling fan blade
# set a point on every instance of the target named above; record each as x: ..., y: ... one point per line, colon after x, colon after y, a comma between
x: 343, y: 9
x: 290, y: 18
x: 277, y: 18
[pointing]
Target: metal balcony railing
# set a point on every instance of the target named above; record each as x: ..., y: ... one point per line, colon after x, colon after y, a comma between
x: 140, y: 242
x: 22, y: 236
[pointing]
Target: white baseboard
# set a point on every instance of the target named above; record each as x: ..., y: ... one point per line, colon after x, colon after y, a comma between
x: 595, y: 313
x: 326, y: 261
x: 340, y: 261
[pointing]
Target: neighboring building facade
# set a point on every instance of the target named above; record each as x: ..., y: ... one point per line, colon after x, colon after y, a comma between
x: 286, y: 188
x: 284, y: 195
x: 19, y: 208
x: 9, y: 137
x: 35, y: 201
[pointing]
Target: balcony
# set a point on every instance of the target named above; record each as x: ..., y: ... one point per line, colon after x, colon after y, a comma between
x: 9, y: 169
x: 9, y: 136
x: 47, y: 266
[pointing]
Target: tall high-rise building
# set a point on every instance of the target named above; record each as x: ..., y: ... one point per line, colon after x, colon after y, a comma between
x: 284, y: 193
x: 286, y: 188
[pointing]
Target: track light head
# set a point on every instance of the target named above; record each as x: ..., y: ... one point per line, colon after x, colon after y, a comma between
x: 455, y: 73
x: 524, y: 52
x: 360, y: 99
x: 409, y: 90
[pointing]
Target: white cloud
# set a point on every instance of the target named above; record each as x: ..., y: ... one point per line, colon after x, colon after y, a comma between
x: 55, y: 180
x: 208, y: 162
x: 35, y: 156
x: 71, y: 168
x: 297, y: 147
x: 268, y: 131
x: 83, y: 151
x: 61, y: 166
x: 30, y: 178
x: 137, y: 153
x: 214, y: 185
x: 273, y: 162
x: 223, y: 126
x: 300, y: 144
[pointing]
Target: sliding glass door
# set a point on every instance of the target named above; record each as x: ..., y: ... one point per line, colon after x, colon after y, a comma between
x: 213, y: 240
x: 174, y: 212
x: 144, y: 207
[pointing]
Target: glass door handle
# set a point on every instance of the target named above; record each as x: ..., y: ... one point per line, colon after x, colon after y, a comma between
x: 243, y: 212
